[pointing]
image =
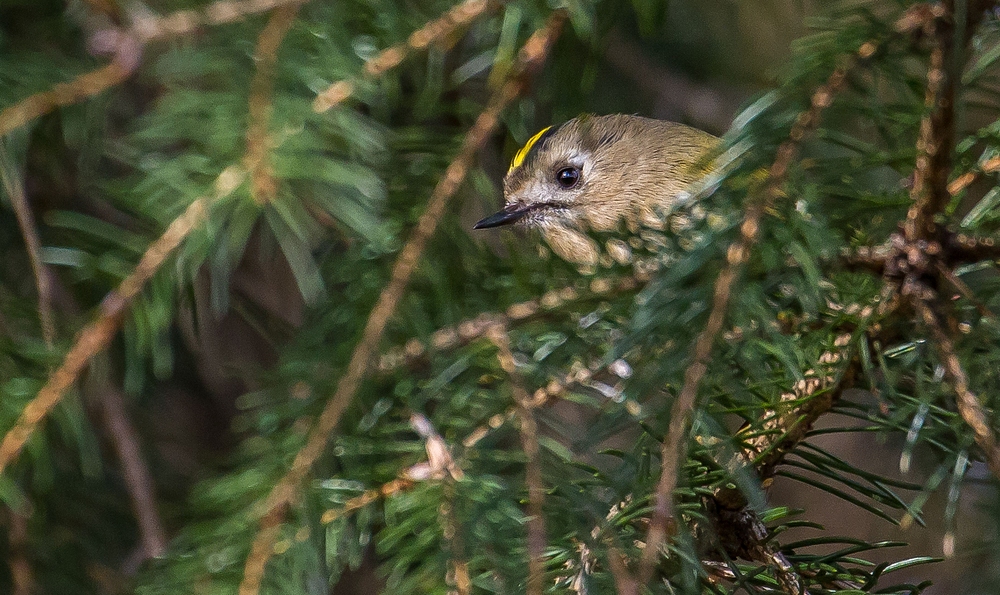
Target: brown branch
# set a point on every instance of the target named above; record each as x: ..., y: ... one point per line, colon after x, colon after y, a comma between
x: 457, y: 574
x: 184, y: 22
x: 674, y: 446
x: 138, y: 479
x: 469, y: 330
x: 80, y: 88
x: 263, y: 186
x: 931, y: 191
x: 261, y: 550
x: 968, y: 404
x: 127, y: 48
x: 960, y: 248
x: 617, y: 563
x: 533, y: 467
x: 433, y: 32
x: 285, y: 493
x: 556, y: 387
x: 966, y: 292
x: 367, y: 497
x: 32, y: 244
x: 96, y: 336
x: 963, y: 181
x: 747, y: 536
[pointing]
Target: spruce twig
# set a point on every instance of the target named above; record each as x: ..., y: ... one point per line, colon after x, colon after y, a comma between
x: 96, y: 336
x: 471, y: 329
x: 126, y: 45
x: 967, y: 402
x: 458, y: 16
x: 937, y: 128
x: 80, y: 88
x: 286, y: 492
x: 184, y: 22
x: 263, y: 186
x: 920, y: 250
x: 674, y: 444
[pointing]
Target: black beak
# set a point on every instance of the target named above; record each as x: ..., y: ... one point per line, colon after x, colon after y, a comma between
x: 507, y: 216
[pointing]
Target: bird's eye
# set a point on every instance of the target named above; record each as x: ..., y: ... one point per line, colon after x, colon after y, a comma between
x: 568, y: 177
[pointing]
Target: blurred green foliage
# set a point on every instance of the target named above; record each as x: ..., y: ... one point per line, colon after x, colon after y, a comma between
x: 237, y: 342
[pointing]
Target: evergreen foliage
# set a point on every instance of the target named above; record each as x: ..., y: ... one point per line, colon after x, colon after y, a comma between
x: 506, y: 379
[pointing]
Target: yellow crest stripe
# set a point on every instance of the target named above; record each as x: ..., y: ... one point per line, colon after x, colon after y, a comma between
x: 521, y: 155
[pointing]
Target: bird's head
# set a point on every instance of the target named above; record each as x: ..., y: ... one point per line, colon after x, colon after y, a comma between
x: 595, y: 172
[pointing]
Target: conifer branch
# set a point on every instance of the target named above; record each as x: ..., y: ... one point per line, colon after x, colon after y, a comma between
x: 967, y: 402
x: 931, y: 190
x: 126, y: 45
x: 80, y: 88
x: 263, y: 186
x: 183, y: 22
x: 433, y: 32
x: 948, y: 275
x: 32, y: 244
x: 382, y: 492
x: 747, y: 532
x: 963, y: 181
x: 533, y: 468
x: 96, y: 336
x: 961, y: 248
x: 285, y: 492
x: 457, y: 574
x: 921, y: 252
x: 937, y: 128
x: 674, y: 446
x: 469, y: 330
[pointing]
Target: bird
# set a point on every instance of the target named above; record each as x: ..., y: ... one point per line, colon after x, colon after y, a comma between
x: 594, y: 173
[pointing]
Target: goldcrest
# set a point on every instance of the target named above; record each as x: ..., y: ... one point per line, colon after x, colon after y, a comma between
x: 596, y: 172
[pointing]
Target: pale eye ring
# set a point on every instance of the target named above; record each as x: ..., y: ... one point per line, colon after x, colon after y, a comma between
x: 568, y: 177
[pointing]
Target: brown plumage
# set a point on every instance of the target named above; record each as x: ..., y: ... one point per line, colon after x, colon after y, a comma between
x: 595, y: 172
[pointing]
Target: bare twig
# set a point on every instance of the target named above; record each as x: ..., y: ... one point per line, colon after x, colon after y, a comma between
x: 263, y: 186
x: 533, y: 467
x: 138, y: 480
x: 98, y: 334
x: 126, y: 49
x: 285, y: 493
x: 434, y: 31
x: 674, y: 444
x: 26, y: 222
